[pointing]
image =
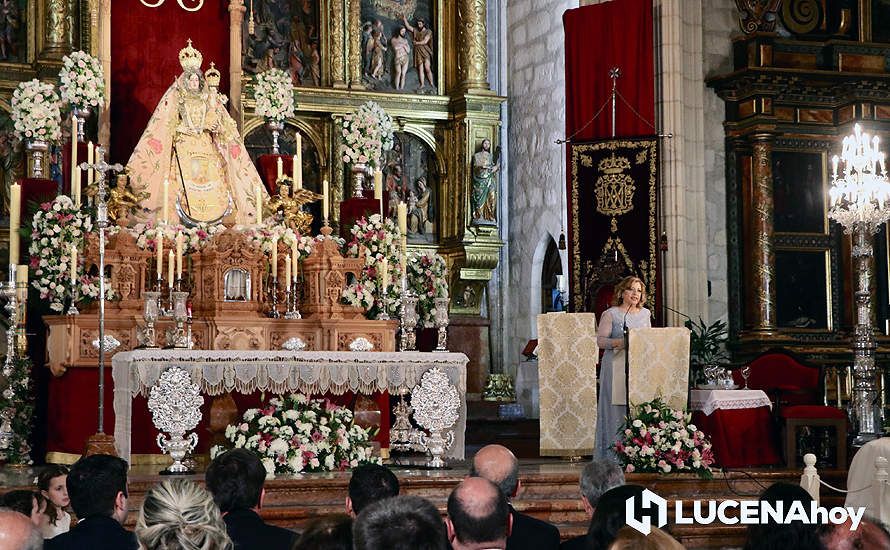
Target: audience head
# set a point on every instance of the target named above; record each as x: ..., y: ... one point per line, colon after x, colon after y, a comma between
x: 478, y: 515
x: 498, y: 465
x: 867, y: 535
x: 235, y: 478
x: 327, y: 533
x: 629, y: 538
x: 180, y: 515
x: 53, y: 484
x: 399, y: 523
x: 29, y: 503
x: 597, y: 477
x: 610, y: 514
x: 97, y: 486
x: 370, y: 483
x: 784, y: 536
x: 17, y: 532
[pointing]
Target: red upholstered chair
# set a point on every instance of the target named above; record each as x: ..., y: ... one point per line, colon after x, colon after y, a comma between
x: 795, y: 387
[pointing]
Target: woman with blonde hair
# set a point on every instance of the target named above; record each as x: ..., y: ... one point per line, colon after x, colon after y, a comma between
x: 627, y: 311
x: 180, y: 515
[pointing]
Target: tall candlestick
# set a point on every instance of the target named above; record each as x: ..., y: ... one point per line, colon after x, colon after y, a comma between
x: 287, y: 269
x: 159, y: 249
x: 403, y: 218
x: 274, y: 258
x: 280, y: 169
x: 73, y: 264
x: 166, y: 196
x: 90, y: 159
x: 298, y: 163
x: 170, y: 264
x: 325, y: 205
x: 15, y: 216
x: 21, y: 279
x: 179, y: 247
x: 259, y: 205
x: 73, y: 152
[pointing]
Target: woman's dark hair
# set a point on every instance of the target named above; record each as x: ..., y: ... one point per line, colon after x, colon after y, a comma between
x: 44, y: 478
x: 611, y: 515
x: 795, y: 535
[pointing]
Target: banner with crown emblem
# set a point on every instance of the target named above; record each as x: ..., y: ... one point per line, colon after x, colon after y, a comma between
x: 613, y: 218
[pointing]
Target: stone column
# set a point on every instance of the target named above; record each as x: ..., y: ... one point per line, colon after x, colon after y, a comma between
x: 338, y: 44
x: 236, y: 18
x: 473, y: 45
x: 56, y: 30
x: 355, y: 45
x: 104, y: 54
x: 762, y: 293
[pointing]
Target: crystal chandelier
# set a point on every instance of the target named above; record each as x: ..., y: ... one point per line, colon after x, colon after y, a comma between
x: 860, y: 202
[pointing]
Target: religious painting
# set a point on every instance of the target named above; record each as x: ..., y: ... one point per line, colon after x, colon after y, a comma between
x: 285, y: 36
x: 803, y: 295
x: 799, y: 192
x: 398, y: 46
x: 411, y: 175
x: 13, y: 31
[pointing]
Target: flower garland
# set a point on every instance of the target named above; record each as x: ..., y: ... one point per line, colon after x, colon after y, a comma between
x: 274, y: 95
x: 194, y: 238
x: 428, y: 278
x: 262, y: 235
x: 295, y: 434
x: 35, y: 112
x: 366, y: 134
x: 56, y: 228
x: 381, y: 240
x: 81, y: 80
x: 17, y: 397
x: 657, y: 438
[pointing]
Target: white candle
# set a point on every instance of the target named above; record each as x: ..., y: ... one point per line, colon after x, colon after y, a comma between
x: 259, y: 205
x: 403, y: 218
x: 326, y: 210
x: 90, y: 160
x: 166, y: 195
x: 170, y: 264
x: 384, y: 273
x: 298, y: 163
x: 378, y: 185
x: 180, y: 245
x: 274, y: 258
x: 73, y: 264
x: 295, y: 258
x: 15, y: 215
x: 76, y: 189
x: 21, y: 279
x: 159, y: 249
x: 280, y: 169
x: 73, y: 152
x: 287, y: 274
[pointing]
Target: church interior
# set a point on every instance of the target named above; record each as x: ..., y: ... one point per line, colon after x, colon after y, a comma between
x: 562, y: 227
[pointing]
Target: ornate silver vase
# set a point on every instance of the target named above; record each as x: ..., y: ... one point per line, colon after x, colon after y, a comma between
x: 359, y: 171
x: 36, y: 149
x: 175, y: 403
x: 276, y: 127
x: 409, y: 321
x: 436, y: 405
x: 440, y: 320
x: 147, y: 336
x: 81, y: 114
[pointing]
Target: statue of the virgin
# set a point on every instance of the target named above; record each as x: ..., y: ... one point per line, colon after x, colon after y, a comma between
x: 192, y: 154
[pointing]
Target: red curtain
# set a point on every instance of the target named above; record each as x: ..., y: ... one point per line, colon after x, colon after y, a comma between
x: 145, y: 44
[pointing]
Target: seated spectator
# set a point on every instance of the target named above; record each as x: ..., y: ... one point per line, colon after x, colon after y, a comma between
x: 177, y: 514
x: 478, y: 516
x: 370, y: 483
x: 17, y: 532
x: 235, y: 479
x: 597, y: 477
x: 784, y: 536
x: 629, y: 538
x: 611, y: 515
x: 399, y: 523
x: 53, y: 485
x: 327, y: 533
x: 97, y: 487
x: 867, y: 535
x: 498, y: 465
x: 27, y: 503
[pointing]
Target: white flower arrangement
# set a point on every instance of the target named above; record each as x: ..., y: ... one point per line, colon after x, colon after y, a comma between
x: 81, y: 80
x: 656, y: 438
x: 194, y: 238
x: 274, y: 95
x: 428, y: 278
x: 262, y: 236
x: 35, y: 112
x: 295, y: 434
x: 380, y: 238
x: 366, y: 133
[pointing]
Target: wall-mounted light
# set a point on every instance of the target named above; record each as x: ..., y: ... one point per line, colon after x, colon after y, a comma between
x: 182, y: 4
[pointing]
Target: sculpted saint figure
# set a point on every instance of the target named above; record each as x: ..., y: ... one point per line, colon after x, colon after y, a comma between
x: 423, y: 50
x: 401, y: 49
x: 193, y: 145
x: 485, y: 168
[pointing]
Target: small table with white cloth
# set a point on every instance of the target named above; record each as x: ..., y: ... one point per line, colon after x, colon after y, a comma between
x: 739, y: 424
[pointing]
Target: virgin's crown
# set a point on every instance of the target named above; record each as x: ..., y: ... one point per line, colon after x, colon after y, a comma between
x: 212, y: 76
x: 190, y: 58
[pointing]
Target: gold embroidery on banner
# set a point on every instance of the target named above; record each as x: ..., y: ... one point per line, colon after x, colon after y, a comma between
x: 614, y: 190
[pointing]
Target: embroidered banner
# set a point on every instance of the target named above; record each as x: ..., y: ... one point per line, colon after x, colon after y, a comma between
x: 613, y: 219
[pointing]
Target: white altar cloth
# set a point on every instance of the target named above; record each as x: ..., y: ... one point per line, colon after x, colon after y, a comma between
x: 709, y: 401
x: 312, y: 372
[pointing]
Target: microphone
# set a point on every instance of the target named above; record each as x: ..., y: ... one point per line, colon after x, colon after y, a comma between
x: 689, y: 320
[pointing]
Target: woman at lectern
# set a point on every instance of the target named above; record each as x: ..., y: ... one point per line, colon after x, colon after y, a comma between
x: 627, y: 311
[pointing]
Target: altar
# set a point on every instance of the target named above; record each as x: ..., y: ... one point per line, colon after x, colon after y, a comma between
x: 277, y: 372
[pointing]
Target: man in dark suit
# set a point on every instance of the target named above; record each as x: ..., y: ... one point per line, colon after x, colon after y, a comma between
x: 478, y: 516
x: 370, y: 483
x: 97, y: 487
x: 597, y: 477
x: 498, y: 464
x: 235, y: 478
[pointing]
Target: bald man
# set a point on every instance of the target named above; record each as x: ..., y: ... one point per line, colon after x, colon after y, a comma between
x: 17, y: 532
x: 499, y: 465
x: 478, y: 516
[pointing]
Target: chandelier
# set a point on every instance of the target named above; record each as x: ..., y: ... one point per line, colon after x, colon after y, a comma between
x: 861, y: 193
x: 198, y: 4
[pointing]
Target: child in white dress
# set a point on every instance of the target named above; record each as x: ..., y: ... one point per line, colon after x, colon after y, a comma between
x: 52, y: 484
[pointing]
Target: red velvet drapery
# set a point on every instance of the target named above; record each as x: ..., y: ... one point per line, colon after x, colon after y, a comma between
x: 597, y: 38
x: 145, y: 44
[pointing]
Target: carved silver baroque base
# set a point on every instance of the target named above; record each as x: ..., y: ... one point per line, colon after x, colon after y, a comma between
x: 175, y: 403
x: 436, y: 406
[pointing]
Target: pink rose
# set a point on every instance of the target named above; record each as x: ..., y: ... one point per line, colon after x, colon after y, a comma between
x: 155, y: 145
x: 234, y: 150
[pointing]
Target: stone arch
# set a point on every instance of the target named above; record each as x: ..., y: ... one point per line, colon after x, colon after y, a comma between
x: 534, y: 290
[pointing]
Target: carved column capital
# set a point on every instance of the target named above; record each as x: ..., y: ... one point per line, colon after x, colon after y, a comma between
x: 472, y: 57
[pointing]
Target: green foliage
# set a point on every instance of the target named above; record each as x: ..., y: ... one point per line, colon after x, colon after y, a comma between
x: 708, y: 342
